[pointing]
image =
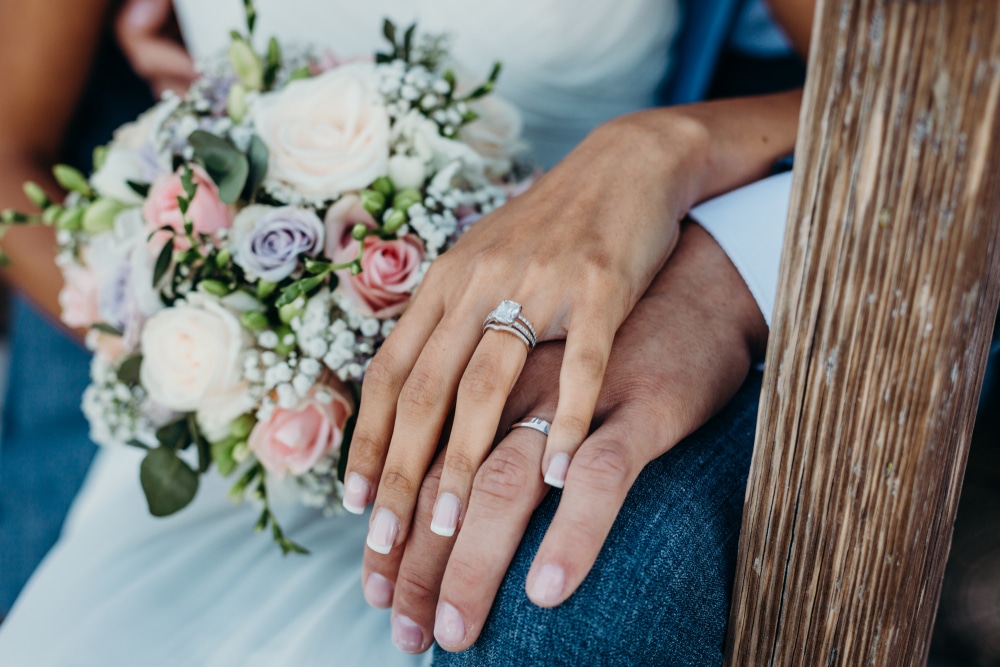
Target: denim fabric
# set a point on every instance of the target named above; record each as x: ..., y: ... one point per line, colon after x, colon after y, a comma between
x: 659, y: 592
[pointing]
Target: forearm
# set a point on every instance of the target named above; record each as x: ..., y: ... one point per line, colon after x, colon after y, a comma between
x: 705, y: 149
x: 32, y: 250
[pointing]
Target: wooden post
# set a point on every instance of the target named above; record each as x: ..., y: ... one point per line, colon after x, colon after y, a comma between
x: 889, y: 285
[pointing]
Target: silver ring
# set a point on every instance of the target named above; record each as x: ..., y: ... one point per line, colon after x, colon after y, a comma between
x: 507, y: 317
x: 536, y: 423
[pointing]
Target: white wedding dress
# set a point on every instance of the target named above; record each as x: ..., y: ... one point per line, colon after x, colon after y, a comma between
x: 200, y: 587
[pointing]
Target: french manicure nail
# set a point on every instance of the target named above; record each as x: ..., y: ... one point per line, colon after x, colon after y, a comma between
x: 546, y: 586
x: 556, y: 474
x: 449, y: 628
x: 356, y: 492
x: 446, y: 511
x: 383, y: 531
x: 407, y: 635
x: 378, y: 591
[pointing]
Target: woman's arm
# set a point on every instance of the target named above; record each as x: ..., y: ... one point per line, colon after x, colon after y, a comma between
x: 47, y: 48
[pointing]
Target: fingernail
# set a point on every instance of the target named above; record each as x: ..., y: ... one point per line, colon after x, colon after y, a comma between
x: 546, y: 586
x: 141, y: 13
x: 449, y: 628
x: 383, y: 531
x: 378, y: 591
x: 356, y: 492
x: 407, y: 635
x: 446, y: 511
x: 556, y: 474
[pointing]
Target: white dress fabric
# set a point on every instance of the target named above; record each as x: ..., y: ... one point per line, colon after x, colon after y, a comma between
x: 200, y: 587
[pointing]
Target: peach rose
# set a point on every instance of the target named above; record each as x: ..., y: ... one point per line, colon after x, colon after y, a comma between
x: 340, y: 220
x: 191, y: 355
x: 389, y: 273
x: 78, y: 298
x: 207, y: 212
x: 328, y: 134
x: 293, y: 440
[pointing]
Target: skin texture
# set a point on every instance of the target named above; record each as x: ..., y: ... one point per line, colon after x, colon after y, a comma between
x: 46, y: 50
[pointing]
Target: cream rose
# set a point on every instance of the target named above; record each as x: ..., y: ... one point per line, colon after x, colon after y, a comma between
x: 328, y: 134
x: 191, y: 355
x: 130, y: 157
x: 293, y: 440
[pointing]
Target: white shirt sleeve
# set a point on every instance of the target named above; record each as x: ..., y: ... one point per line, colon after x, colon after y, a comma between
x: 749, y: 224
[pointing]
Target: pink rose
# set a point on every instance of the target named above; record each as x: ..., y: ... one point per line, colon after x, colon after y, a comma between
x: 293, y: 440
x: 78, y: 298
x: 207, y: 212
x: 389, y: 272
x: 339, y: 222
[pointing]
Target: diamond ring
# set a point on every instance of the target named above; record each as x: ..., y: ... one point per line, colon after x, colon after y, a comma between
x: 507, y: 317
x: 536, y: 423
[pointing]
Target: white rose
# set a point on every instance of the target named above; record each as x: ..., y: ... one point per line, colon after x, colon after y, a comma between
x: 406, y: 171
x: 191, y: 355
x: 328, y: 134
x: 125, y: 161
x: 495, y: 134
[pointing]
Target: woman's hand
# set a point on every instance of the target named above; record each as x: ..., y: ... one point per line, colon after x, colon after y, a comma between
x: 149, y: 37
x: 677, y: 359
x: 577, y: 250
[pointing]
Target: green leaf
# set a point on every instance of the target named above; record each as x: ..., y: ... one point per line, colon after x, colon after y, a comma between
x: 141, y: 189
x: 204, y: 455
x: 315, y: 266
x: 163, y: 261
x: 251, y: 15
x: 175, y: 435
x: 257, y: 158
x: 301, y: 73
x: 225, y: 164
x: 128, y: 372
x: 168, y: 482
x: 104, y: 327
x: 187, y: 182
x: 71, y: 179
x: 389, y: 30
x: 299, y: 288
x: 408, y: 42
x: 273, y: 63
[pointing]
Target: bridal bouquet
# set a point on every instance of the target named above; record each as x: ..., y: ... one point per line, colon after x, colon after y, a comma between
x: 239, y: 254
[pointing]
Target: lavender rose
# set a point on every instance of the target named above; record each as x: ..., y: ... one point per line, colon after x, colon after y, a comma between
x: 269, y: 240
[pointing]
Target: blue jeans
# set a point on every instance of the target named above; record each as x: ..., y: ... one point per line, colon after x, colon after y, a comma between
x: 659, y: 591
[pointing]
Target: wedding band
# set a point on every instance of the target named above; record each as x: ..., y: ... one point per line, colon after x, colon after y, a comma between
x: 536, y: 423
x: 507, y: 318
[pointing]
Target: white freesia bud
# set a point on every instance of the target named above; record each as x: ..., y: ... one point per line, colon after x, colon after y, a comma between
x: 406, y: 171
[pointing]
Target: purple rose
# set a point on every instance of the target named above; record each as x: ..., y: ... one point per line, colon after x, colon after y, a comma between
x: 269, y: 241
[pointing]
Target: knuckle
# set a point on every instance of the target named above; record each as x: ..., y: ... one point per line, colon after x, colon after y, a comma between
x: 415, y: 588
x: 381, y: 377
x: 590, y: 363
x: 398, y: 481
x: 420, y: 393
x: 366, y: 451
x: 504, y: 476
x: 460, y: 463
x: 480, y: 381
x: 604, y: 466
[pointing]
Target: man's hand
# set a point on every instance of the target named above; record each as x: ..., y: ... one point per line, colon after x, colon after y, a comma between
x: 679, y: 357
x: 149, y: 37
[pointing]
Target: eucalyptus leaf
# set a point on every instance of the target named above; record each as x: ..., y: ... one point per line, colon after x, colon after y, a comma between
x: 128, y: 372
x: 257, y: 158
x: 168, y: 482
x: 204, y: 454
x: 225, y: 164
x: 141, y: 189
x: 104, y: 327
x: 163, y: 262
x: 174, y: 435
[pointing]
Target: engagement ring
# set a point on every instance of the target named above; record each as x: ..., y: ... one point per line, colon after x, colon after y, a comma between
x: 507, y: 317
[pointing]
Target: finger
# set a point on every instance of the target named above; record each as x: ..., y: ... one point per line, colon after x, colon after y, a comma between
x: 584, y: 361
x: 144, y: 15
x: 418, y: 577
x: 380, y: 389
x: 482, y: 392
x: 424, y: 402
x: 599, y: 478
x: 506, y: 491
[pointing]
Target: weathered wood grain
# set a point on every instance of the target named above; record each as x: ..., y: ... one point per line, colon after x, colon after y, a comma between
x: 889, y: 285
